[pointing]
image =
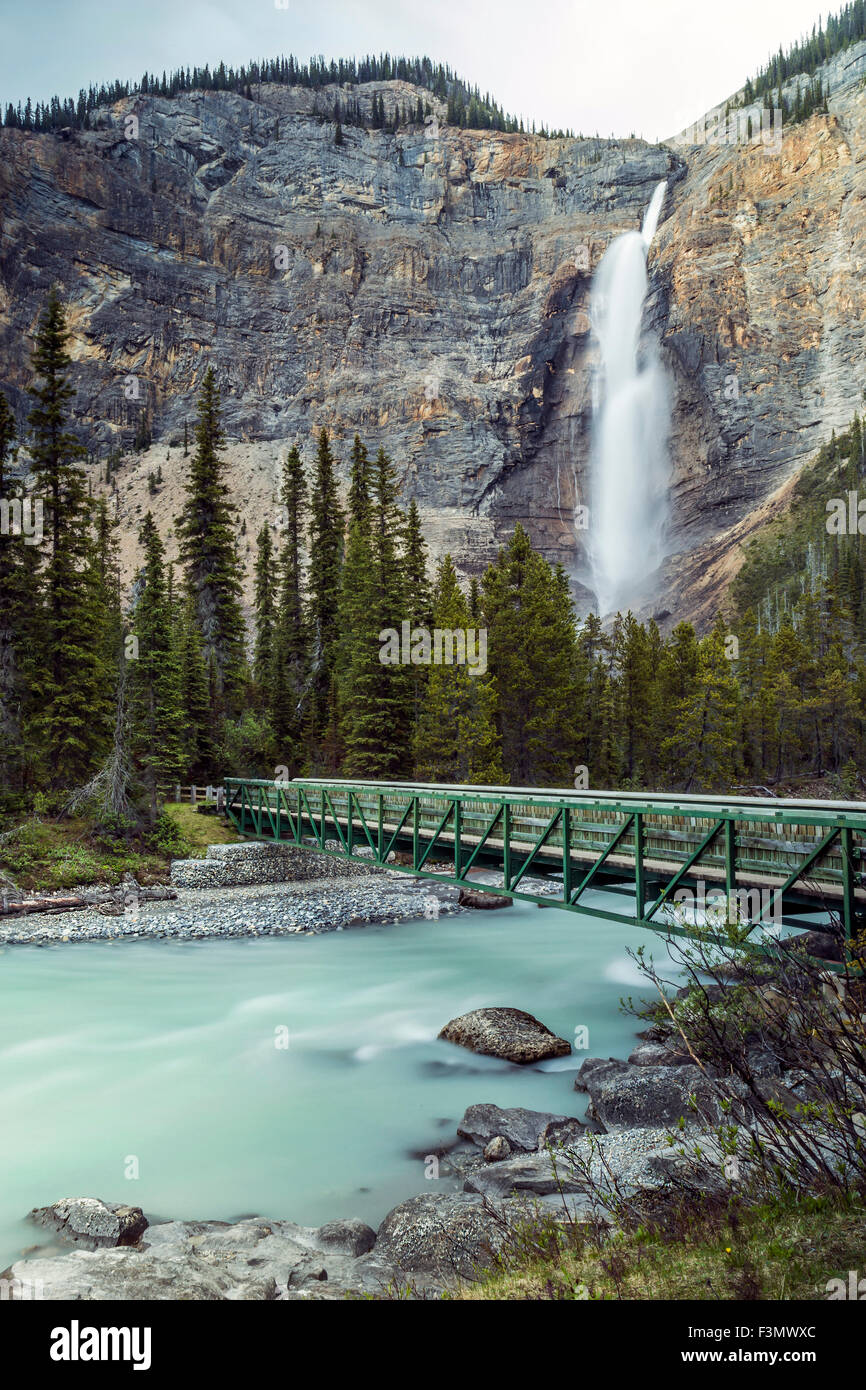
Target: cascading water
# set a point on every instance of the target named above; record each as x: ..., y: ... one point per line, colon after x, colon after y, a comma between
x: 630, y: 470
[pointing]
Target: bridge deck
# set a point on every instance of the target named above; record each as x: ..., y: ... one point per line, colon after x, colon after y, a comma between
x: 807, y: 855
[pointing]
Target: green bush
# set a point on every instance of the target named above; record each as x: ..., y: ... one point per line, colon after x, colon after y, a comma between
x: 167, y: 838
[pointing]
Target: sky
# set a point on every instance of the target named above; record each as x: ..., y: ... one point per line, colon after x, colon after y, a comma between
x: 648, y: 67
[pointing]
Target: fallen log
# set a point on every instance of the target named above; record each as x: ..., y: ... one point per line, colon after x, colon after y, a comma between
x: 90, y: 900
x: 41, y: 905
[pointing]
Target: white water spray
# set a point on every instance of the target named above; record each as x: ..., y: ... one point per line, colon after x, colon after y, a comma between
x: 630, y: 471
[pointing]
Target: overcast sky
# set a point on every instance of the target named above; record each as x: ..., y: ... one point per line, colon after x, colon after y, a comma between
x: 616, y: 66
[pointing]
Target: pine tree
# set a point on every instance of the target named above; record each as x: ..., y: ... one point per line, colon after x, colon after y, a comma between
x: 199, y: 735
x: 531, y: 639
x: 359, y: 486
x: 208, y: 552
x: 291, y: 639
x: 155, y: 682
x: 418, y: 604
x: 636, y: 696
x: 107, y: 575
x: 359, y: 679
x: 72, y: 682
x: 456, y: 738
x: 16, y: 569
x: 265, y: 609
x: 326, y: 556
x: 375, y: 698
x: 703, y: 747
x: 417, y: 579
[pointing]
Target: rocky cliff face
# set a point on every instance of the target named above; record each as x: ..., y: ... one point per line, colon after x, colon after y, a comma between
x: 429, y: 289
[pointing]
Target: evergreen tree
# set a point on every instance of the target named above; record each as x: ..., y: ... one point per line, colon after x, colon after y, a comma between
x: 375, y: 698
x: 72, y: 681
x: 208, y: 552
x: 326, y: 557
x: 703, y: 747
x: 532, y: 645
x: 291, y: 639
x: 636, y: 698
x: 16, y: 576
x: 417, y: 580
x: 155, y: 680
x: 455, y: 737
x: 418, y: 602
x: 265, y: 609
x: 199, y: 735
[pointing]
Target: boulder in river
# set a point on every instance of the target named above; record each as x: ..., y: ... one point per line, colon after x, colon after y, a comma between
x: 508, y: 1033
x: 92, y: 1223
x: 527, y: 1130
x: 471, y: 897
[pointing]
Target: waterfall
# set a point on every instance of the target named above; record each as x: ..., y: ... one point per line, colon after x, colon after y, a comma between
x: 630, y: 467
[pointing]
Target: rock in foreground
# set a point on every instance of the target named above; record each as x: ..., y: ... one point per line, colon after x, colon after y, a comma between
x: 203, y: 1260
x: 624, y: 1095
x: 444, y: 1233
x: 511, y: 1034
x: 92, y: 1223
x: 526, y: 1130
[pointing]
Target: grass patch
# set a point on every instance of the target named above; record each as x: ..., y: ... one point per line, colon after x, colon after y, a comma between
x: 200, y: 829
x: 48, y: 855
x: 781, y: 1250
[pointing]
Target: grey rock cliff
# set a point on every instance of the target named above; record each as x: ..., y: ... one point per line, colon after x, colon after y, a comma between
x: 430, y: 289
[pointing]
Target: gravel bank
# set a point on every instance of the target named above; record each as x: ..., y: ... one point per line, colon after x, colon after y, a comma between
x: 311, y: 906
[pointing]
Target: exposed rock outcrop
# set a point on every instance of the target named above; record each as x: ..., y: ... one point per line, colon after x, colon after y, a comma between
x: 92, y: 1223
x: 430, y: 289
x: 510, y: 1034
x: 527, y: 1130
x: 445, y: 1233
x: 201, y: 1260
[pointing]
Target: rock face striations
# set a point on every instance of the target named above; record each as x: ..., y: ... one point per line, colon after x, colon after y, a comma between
x: 430, y: 289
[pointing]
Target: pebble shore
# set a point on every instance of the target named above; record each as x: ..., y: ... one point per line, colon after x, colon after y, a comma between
x: 310, y: 906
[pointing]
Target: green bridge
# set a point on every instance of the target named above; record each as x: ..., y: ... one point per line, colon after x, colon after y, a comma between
x: 797, y: 863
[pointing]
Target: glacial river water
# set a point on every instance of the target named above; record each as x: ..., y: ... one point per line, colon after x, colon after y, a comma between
x: 160, y: 1058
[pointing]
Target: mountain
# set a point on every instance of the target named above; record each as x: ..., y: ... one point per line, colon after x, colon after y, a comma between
x: 428, y: 288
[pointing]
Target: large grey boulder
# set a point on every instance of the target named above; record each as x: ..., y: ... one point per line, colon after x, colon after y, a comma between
x: 647, y: 1096
x: 92, y: 1223
x: 597, y: 1067
x: 510, y: 1034
x: 444, y: 1233
x: 536, y: 1174
x: 527, y: 1130
x: 351, y: 1236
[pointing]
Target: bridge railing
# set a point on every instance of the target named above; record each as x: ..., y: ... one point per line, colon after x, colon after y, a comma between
x: 806, y: 855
